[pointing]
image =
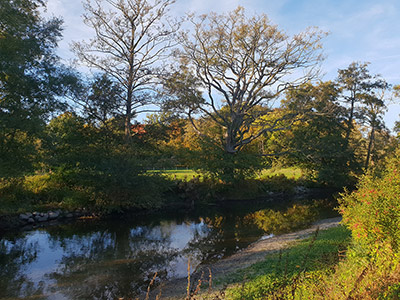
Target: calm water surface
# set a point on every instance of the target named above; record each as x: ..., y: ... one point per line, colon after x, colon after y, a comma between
x: 118, y: 258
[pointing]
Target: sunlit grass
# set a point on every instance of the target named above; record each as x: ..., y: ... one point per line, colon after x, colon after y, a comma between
x: 280, y: 271
x: 290, y: 173
x: 177, y: 174
x: 187, y: 174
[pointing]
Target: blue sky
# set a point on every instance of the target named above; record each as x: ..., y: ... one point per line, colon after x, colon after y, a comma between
x: 366, y: 31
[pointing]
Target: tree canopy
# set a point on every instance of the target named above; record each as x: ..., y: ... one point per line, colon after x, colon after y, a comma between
x: 31, y: 79
x: 244, y: 64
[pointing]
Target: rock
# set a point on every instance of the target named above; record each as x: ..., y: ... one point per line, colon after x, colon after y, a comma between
x: 23, y: 217
x: 301, y: 190
x: 69, y: 215
x: 40, y: 218
x: 31, y: 220
x: 53, y: 215
x: 35, y: 213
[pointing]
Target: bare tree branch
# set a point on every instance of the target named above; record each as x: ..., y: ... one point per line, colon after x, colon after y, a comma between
x: 244, y: 65
x: 132, y: 37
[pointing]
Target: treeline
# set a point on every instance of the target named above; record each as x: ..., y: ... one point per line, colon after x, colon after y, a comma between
x: 231, y: 97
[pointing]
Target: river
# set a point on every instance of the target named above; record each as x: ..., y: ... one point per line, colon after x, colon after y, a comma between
x: 111, y: 259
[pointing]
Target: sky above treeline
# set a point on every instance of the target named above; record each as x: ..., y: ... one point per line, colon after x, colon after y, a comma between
x: 365, y: 31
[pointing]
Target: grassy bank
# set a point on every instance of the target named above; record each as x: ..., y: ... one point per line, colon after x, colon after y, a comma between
x: 328, y: 265
x: 41, y: 192
x: 285, y: 275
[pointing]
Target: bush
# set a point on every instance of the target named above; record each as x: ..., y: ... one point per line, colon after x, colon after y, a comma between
x: 372, y: 212
x: 228, y: 167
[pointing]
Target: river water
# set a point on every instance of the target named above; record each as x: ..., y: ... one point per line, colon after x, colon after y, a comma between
x: 109, y: 259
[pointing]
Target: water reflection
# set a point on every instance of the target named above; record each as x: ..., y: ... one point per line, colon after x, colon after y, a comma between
x: 16, y: 255
x: 107, y: 260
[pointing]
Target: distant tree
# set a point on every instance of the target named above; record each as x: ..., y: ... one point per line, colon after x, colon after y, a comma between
x: 131, y: 39
x: 31, y: 78
x: 355, y: 81
x: 243, y: 64
x: 396, y: 93
x: 100, y: 100
x: 373, y: 110
x: 318, y: 144
x: 366, y: 96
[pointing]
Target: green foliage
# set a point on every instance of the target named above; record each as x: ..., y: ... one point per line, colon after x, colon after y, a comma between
x: 31, y: 79
x: 109, y: 173
x: 318, y: 144
x: 373, y: 210
x: 219, y: 164
x: 392, y: 292
x: 103, y: 101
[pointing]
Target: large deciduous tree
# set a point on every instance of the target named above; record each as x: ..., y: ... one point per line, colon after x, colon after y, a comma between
x: 131, y: 39
x: 31, y: 78
x: 243, y: 64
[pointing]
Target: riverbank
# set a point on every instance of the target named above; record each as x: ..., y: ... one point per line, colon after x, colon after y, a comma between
x: 254, y: 253
x: 28, y: 220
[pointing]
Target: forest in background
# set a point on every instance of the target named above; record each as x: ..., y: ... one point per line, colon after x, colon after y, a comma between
x: 229, y: 98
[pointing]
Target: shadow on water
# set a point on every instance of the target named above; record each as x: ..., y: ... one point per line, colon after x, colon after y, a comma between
x: 107, y: 259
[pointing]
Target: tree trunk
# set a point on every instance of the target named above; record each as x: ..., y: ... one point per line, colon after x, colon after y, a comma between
x: 350, y: 121
x: 230, y: 143
x: 128, y: 116
x: 370, y: 146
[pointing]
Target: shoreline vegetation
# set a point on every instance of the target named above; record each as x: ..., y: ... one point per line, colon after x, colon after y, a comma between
x: 36, y: 201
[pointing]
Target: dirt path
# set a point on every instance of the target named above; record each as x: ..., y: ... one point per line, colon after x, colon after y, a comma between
x: 176, y: 289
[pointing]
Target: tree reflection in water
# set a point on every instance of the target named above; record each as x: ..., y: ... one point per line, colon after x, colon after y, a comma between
x: 16, y: 254
x: 111, y: 259
x: 114, y: 263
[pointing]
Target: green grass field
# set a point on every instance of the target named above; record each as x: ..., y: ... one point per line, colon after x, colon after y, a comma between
x: 291, y: 173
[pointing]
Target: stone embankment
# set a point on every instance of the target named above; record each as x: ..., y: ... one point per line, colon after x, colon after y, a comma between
x: 30, y: 220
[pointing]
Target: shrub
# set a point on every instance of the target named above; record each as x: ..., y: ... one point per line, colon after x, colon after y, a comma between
x: 372, y: 212
x: 228, y: 167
